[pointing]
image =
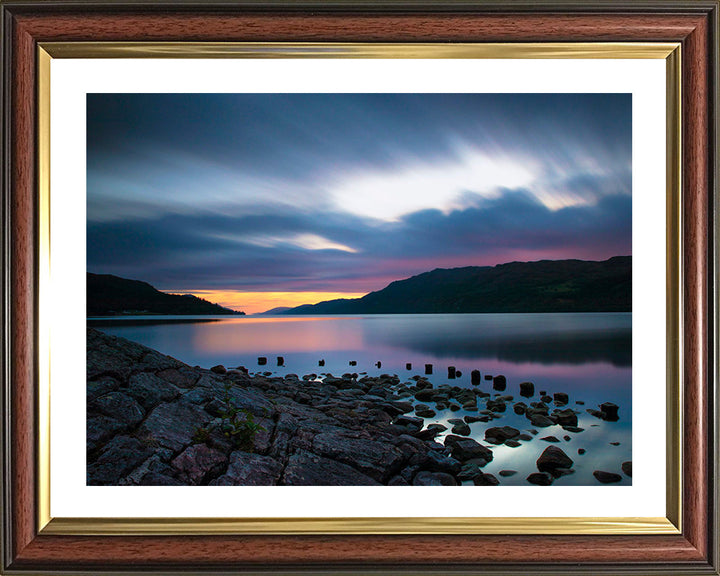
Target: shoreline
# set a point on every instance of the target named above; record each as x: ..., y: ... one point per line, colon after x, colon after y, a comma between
x: 153, y: 420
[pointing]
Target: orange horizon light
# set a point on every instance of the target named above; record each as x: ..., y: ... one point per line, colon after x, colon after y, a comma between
x: 258, y: 302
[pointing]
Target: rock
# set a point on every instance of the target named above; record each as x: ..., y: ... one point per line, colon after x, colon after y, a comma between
x: 426, y: 413
x: 541, y: 421
x: 609, y: 411
x: 402, y: 406
x: 150, y: 390
x: 100, y: 387
x: 519, y: 408
x: 101, y: 428
x: 482, y: 479
x: 581, y: 451
x: 469, y: 470
x: 499, y: 383
x: 378, y: 460
x: 566, y: 417
x: 606, y: 477
x: 173, y: 425
x: 158, y: 479
x: 307, y: 469
x: 540, y: 478
x: 627, y: 468
x: 437, y: 462
x: 410, y: 422
x: 219, y: 369
x: 498, y: 435
x: 117, y: 459
x: 488, y: 377
x: 475, y: 377
x: 462, y: 429
x: 546, y: 398
x: 496, y: 405
x: 561, y: 398
x: 425, y: 478
x: 524, y: 437
x: 398, y: 480
x: 614, y: 443
x: 119, y: 406
x: 553, y: 458
x: 467, y: 449
x: 527, y: 389
x: 567, y: 438
x: 198, y: 464
x: 182, y: 377
x: 245, y: 469
x: 512, y: 443
x: 506, y: 473
x: 437, y: 427
x: 573, y: 429
x: 550, y: 439
x: 471, y: 419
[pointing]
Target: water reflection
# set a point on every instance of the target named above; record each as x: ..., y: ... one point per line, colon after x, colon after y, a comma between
x: 587, y: 356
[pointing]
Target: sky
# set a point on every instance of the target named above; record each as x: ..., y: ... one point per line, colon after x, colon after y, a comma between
x: 263, y: 200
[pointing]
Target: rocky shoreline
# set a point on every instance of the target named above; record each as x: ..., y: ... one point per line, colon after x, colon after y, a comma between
x: 152, y: 420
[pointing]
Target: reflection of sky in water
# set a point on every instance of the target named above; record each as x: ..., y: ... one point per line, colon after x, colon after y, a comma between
x: 586, y: 355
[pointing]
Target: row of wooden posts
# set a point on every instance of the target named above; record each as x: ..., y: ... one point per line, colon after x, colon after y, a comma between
x: 453, y: 372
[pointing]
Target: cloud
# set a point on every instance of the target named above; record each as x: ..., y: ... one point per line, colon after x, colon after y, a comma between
x: 335, y: 192
x: 353, y: 254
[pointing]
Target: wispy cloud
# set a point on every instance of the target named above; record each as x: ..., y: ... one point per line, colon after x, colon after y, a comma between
x: 346, y: 192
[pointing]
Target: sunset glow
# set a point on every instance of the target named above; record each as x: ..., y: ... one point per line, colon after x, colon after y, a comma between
x: 257, y: 302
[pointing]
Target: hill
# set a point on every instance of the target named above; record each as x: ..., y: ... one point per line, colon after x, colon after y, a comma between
x: 109, y: 295
x: 543, y: 286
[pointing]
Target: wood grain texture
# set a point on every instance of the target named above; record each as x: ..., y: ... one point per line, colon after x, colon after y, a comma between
x: 22, y: 286
x: 688, y: 552
x: 358, y: 550
x: 360, y: 28
x: 696, y: 194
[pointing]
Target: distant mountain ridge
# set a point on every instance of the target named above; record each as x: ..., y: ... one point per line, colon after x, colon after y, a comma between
x: 542, y: 286
x: 109, y: 295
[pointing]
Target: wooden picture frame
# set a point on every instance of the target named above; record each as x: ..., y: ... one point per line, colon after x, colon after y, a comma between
x: 31, y: 545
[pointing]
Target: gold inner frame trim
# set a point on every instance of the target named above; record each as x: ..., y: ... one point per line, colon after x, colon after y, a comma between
x: 356, y: 525
x: 555, y: 50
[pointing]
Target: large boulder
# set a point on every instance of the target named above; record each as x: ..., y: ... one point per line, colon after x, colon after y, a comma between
x: 468, y: 449
x: 119, y: 406
x: 606, y: 477
x: 199, y: 463
x: 172, y: 425
x: 149, y: 390
x: 610, y: 411
x: 378, y: 460
x: 247, y: 469
x: 307, y: 469
x: 117, y: 459
x: 552, y: 459
x: 527, y: 389
x: 566, y: 417
x: 498, y: 434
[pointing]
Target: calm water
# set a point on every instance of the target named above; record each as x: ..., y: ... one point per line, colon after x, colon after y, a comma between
x: 586, y: 355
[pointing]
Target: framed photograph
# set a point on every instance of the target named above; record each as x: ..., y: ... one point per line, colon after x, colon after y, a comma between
x: 351, y: 287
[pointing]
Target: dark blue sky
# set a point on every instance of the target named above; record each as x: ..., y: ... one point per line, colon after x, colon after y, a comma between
x: 346, y: 192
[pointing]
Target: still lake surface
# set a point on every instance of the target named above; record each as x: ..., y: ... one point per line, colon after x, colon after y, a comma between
x: 586, y: 355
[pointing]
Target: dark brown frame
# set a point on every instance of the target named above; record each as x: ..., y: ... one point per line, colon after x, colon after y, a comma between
x: 692, y: 23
